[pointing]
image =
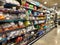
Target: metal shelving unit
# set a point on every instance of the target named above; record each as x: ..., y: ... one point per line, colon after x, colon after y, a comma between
x: 40, y: 32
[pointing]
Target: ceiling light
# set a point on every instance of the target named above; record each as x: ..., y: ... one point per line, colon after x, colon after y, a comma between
x: 56, y: 4
x: 45, y: 2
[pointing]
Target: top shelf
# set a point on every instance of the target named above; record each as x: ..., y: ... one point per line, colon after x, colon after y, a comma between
x: 16, y: 11
x: 6, y: 10
x: 33, y: 3
x: 39, y: 4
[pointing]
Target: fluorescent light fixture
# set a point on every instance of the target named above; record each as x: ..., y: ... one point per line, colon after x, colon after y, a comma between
x: 56, y: 4
x: 45, y: 2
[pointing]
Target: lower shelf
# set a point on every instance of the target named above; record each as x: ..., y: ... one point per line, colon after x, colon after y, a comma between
x: 41, y: 35
x: 38, y: 35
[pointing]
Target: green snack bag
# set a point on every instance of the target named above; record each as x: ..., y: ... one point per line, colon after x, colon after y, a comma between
x: 29, y: 12
x: 37, y: 26
x: 31, y: 6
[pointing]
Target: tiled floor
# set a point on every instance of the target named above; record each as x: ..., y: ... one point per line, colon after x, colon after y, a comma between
x: 52, y: 38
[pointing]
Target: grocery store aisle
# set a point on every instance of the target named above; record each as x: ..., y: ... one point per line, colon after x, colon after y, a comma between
x: 52, y: 38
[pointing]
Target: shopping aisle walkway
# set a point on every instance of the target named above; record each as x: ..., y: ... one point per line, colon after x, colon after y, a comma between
x: 52, y: 38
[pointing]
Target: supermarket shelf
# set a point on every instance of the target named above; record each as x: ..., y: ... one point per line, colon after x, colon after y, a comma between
x: 16, y: 20
x: 17, y: 29
x: 32, y: 3
x: 44, y: 7
x: 17, y: 36
x: 35, y: 37
x: 38, y: 16
x: 47, y: 30
x: 41, y: 36
x: 23, y: 9
x: 34, y: 10
x: 30, y: 9
x: 6, y: 10
x: 11, y: 11
x: 13, y: 30
x: 29, y: 31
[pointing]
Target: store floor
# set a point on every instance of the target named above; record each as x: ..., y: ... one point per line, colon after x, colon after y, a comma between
x: 52, y: 38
